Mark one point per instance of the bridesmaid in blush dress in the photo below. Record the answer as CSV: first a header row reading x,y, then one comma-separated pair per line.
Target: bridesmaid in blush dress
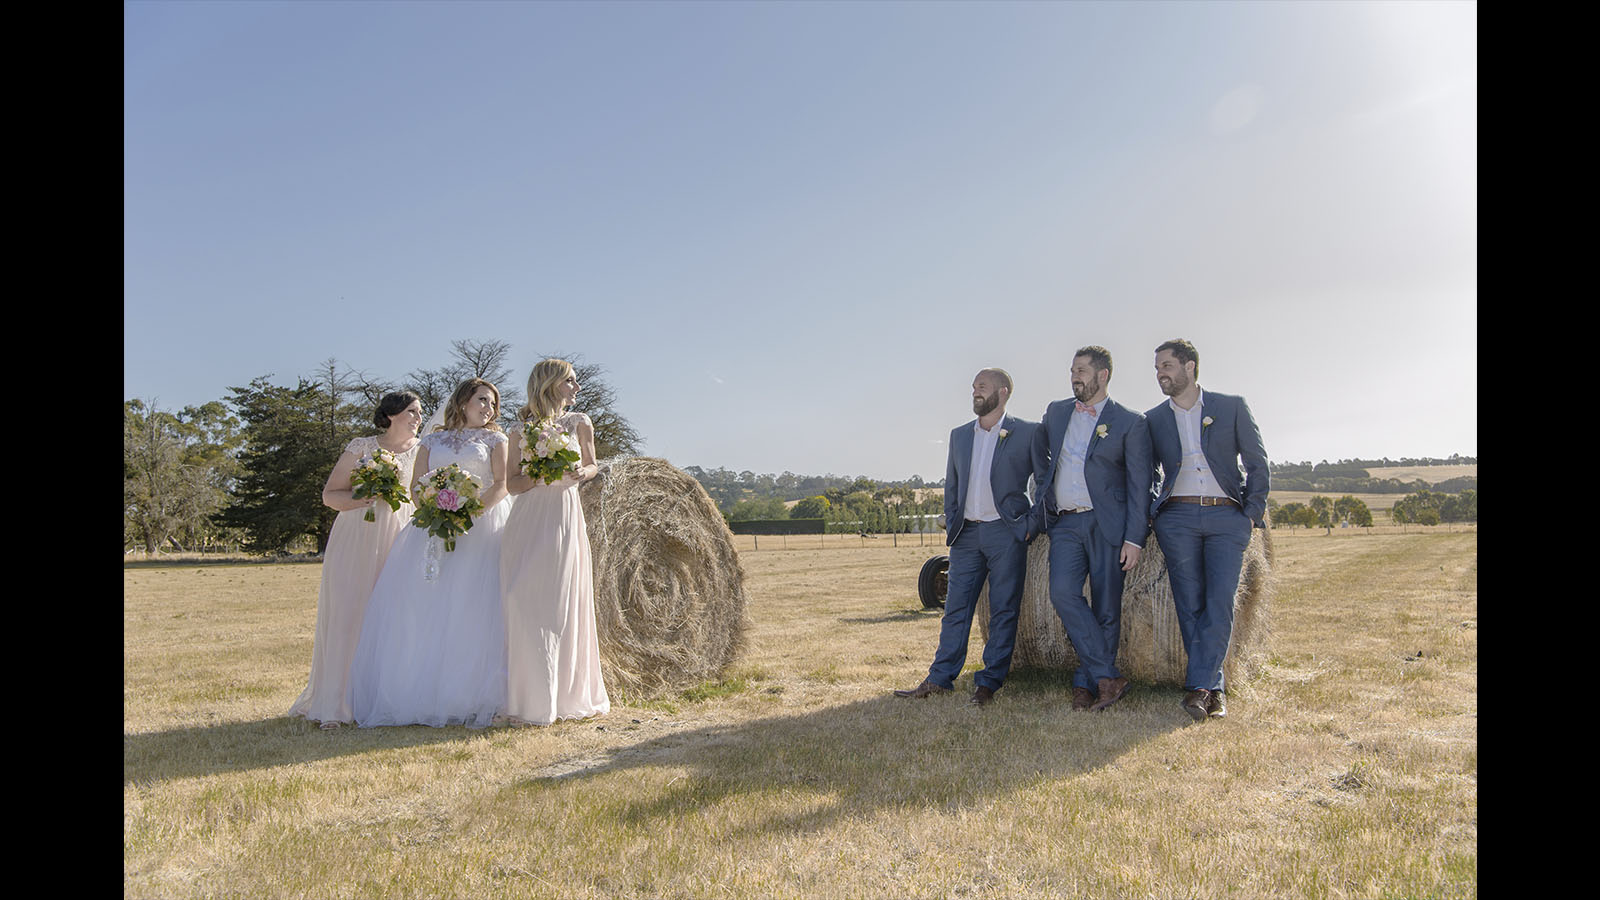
x,y
355,555
553,652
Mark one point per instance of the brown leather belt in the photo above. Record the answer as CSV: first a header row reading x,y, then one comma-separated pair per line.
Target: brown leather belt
x,y
1204,501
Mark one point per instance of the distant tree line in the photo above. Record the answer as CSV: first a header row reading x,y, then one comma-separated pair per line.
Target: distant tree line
x,y
845,503
1320,511
247,471
1350,476
1431,508
1421,508
729,489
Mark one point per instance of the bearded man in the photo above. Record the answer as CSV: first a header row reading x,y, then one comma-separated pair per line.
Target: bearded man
x,y
1094,502
1203,511
989,520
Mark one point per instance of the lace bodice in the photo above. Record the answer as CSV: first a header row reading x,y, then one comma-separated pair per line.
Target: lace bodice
x,y
468,448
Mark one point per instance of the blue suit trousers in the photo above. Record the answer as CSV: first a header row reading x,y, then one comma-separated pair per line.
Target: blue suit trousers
x,y
1077,549
1204,548
986,550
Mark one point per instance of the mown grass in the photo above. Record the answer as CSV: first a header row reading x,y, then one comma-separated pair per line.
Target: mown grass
x,y
1348,769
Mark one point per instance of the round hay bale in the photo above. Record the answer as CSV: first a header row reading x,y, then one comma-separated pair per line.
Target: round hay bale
x,y
1151,648
669,595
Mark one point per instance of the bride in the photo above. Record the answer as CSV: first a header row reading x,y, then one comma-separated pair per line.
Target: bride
x,y
433,651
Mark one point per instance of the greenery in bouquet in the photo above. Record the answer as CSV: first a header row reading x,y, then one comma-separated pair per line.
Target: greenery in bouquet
x,y
548,451
378,476
447,501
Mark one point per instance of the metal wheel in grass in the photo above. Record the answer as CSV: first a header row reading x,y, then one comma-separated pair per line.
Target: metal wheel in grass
x,y
933,582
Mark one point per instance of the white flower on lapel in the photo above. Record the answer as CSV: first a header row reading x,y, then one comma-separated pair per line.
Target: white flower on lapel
x,y
1100,431
1004,434
1206,421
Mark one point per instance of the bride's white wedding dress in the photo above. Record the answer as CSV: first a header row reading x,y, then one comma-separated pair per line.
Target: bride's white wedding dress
x,y
434,652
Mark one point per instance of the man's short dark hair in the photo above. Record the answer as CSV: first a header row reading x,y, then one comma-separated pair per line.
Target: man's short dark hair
x,y
1099,357
1184,352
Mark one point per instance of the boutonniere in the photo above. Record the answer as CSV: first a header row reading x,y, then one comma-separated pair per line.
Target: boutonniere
x,y
1100,431
1206,421
1004,434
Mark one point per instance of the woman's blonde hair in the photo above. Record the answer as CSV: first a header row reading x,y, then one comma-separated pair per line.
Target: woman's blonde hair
x,y
543,401
455,412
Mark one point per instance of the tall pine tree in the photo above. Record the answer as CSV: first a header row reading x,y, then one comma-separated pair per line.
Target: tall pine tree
x,y
292,438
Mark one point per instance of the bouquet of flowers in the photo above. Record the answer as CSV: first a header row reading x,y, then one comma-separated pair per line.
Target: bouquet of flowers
x,y
548,451
447,500
379,476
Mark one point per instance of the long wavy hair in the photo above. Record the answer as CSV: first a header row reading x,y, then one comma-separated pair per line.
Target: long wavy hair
x,y
455,412
543,401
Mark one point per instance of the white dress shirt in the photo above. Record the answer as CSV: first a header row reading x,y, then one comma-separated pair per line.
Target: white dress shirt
x,y
1071,490
980,492
1194,478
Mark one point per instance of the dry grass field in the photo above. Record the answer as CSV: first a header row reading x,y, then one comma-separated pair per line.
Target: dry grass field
x,y
1430,474
1348,770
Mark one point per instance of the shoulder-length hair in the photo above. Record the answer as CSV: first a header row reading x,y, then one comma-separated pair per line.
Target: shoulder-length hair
x,y
543,401
455,412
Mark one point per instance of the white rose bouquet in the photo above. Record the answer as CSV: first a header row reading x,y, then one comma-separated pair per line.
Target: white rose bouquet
x,y
378,476
548,451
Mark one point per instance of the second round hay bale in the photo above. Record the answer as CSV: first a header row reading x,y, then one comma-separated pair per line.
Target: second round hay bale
x,y
1151,648
669,596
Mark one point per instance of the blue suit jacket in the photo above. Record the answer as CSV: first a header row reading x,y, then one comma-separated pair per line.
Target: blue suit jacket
x,y
1231,437
1116,468
1014,461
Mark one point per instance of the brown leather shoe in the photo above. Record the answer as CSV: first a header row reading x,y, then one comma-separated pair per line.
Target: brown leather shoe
x,y
925,689
1082,698
1196,702
981,696
1111,690
1217,706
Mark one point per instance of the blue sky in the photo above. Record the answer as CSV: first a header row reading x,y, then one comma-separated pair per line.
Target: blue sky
x,y
792,232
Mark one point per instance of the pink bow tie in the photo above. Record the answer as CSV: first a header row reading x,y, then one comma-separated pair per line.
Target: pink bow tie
x,y
1085,408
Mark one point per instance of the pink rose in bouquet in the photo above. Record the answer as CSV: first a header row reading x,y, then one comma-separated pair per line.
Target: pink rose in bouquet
x,y
447,501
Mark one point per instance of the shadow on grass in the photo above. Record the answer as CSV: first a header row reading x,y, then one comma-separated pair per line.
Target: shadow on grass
x,y
788,774
784,774
904,615
221,561
280,741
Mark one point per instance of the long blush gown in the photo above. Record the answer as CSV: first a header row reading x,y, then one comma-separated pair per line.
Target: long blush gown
x,y
350,566
553,652
434,652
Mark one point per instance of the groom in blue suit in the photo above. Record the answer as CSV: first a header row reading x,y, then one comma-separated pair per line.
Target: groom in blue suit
x,y
1094,502
989,520
1203,512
